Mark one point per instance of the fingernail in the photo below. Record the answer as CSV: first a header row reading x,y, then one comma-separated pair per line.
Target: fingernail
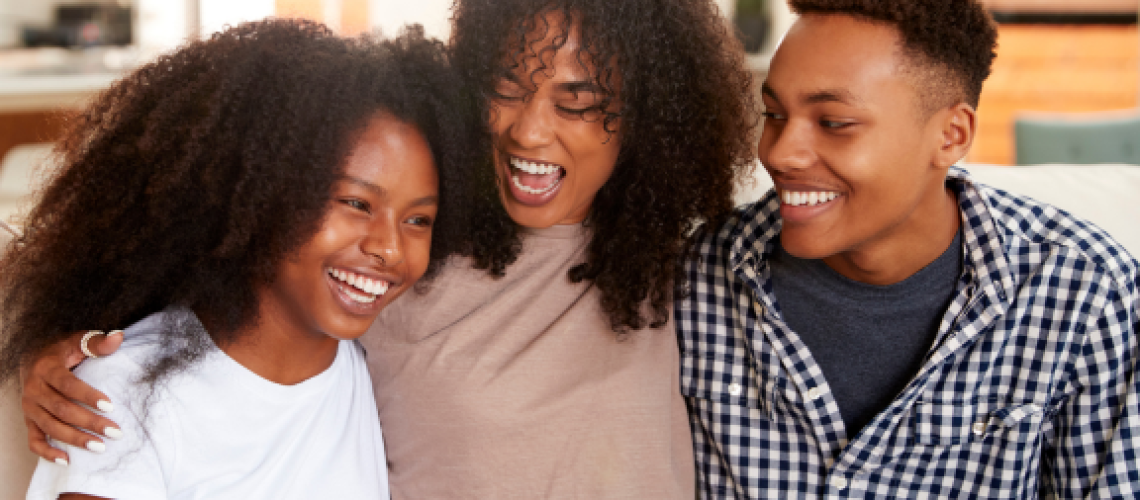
x,y
113,433
114,332
61,461
96,446
105,406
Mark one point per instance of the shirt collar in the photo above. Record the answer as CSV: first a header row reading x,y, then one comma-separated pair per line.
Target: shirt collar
x,y
984,253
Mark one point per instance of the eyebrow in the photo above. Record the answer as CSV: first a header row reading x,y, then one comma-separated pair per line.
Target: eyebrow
x,y
426,200
841,96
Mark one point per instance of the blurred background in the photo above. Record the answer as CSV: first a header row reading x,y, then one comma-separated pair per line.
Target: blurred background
x,y
1056,58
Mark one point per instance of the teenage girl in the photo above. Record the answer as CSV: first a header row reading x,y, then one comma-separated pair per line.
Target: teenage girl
x,y
249,203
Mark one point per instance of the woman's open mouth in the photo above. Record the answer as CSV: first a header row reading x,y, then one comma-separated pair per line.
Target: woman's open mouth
x,y
534,182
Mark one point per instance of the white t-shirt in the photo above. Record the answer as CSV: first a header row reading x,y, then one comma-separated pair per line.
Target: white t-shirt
x,y
219,431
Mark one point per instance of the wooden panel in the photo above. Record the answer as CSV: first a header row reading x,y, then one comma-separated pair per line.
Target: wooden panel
x,y
304,9
1080,6
32,127
353,14
1054,69
354,17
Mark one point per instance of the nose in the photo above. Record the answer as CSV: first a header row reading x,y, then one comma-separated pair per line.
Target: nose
x,y
786,146
384,242
531,125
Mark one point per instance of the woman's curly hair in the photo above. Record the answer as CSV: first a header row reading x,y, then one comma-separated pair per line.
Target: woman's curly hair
x,y
687,122
187,182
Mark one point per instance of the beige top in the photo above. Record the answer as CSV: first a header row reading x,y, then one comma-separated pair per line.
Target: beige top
x,y
518,388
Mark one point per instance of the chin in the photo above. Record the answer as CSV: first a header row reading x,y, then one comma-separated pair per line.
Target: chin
x,y
808,250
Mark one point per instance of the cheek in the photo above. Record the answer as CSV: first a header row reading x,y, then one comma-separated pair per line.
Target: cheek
x,y
418,255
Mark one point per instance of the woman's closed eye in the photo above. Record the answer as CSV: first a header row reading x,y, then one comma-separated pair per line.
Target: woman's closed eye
x,y
506,90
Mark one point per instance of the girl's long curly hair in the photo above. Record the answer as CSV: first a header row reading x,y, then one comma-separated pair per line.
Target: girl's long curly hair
x,y
687,124
189,181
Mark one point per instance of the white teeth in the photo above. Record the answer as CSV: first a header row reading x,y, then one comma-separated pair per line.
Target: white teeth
x,y
534,168
357,283
363,299
796,199
527,189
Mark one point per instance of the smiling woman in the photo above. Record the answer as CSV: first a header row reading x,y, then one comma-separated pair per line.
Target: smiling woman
x,y
544,364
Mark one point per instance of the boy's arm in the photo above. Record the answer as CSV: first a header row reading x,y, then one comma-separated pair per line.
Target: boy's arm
x,y
1097,443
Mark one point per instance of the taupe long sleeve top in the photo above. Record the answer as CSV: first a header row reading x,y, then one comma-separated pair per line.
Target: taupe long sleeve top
x,y
518,388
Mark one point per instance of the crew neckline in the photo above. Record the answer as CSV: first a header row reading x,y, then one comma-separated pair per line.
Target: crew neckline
x,y
557,231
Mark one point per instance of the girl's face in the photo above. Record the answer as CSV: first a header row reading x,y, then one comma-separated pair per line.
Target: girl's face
x,y
552,150
374,241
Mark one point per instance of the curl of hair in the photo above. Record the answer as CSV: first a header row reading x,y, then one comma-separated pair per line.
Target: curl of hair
x,y
187,182
686,118
956,37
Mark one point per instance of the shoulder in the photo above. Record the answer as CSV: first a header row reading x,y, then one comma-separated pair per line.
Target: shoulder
x,y
144,342
750,228
1036,231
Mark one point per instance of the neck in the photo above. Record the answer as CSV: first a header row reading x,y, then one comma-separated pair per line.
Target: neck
x,y
910,246
279,349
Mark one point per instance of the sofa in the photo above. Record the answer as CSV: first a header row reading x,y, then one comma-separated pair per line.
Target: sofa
x,y
1103,194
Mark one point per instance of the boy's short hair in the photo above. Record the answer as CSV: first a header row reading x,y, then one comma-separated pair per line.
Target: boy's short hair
x,y
950,42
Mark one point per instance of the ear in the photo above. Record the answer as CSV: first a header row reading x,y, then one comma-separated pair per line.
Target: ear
x,y
957,125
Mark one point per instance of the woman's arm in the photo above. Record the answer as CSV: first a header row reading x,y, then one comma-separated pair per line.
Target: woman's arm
x,y
52,396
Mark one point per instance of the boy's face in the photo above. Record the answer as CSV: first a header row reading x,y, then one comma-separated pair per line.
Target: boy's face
x,y
845,141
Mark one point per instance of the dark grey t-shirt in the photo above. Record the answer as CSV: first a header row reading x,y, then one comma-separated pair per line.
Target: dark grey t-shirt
x,y
868,340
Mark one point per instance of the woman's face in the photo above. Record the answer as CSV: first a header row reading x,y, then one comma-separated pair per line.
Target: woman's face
x,y
374,241
552,150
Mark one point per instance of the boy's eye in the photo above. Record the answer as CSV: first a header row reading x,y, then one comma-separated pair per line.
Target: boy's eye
x,y
771,115
832,124
421,220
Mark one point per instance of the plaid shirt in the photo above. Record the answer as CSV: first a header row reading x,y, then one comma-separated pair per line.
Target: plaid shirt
x,y
1030,388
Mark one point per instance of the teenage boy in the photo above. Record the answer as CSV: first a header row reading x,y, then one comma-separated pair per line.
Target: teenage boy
x,y
879,325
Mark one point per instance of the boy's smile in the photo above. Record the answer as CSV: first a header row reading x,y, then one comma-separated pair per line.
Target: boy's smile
x,y
853,156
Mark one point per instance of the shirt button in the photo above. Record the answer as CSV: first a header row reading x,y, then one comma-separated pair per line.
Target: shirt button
x,y
839,482
814,393
735,389
979,428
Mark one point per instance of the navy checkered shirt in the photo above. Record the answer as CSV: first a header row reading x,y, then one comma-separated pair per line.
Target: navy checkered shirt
x,y
1029,390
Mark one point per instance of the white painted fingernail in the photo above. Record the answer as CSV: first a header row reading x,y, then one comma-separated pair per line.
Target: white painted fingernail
x,y
61,461
96,446
113,433
114,332
105,406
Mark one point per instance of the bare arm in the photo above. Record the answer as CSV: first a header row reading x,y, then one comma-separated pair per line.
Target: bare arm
x,y
52,396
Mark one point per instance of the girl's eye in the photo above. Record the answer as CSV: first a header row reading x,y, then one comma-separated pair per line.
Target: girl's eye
x,y
773,115
831,124
357,204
